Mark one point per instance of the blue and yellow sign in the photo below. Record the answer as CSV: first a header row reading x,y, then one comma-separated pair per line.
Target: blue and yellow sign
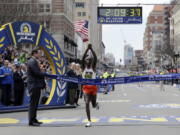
x,y
28,32
119,15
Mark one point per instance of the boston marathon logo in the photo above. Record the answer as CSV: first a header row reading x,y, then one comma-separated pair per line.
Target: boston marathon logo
x,y
25,32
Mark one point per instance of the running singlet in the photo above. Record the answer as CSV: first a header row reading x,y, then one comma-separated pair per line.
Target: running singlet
x,y
89,89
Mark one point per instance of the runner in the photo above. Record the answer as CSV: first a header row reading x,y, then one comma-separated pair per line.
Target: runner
x,y
90,91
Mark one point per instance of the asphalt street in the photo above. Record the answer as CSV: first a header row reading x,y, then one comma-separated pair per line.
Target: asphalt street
x,y
128,110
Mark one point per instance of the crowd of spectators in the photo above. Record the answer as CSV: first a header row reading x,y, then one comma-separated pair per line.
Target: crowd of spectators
x,y
13,75
74,90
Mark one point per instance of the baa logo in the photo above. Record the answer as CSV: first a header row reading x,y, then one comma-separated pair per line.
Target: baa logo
x,y
25,33
25,28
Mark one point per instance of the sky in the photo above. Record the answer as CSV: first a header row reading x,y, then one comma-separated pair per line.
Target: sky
x,y
115,35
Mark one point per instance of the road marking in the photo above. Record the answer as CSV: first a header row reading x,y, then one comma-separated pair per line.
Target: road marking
x,y
45,120
98,120
173,105
93,120
158,119
178,119
114,101
159,106
8,121
175,95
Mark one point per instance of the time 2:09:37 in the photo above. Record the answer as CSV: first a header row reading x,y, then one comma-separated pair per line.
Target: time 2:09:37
x,y
123,12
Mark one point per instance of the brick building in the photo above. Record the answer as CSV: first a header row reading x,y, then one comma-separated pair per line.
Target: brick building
x,y
140,59
55,15
156,36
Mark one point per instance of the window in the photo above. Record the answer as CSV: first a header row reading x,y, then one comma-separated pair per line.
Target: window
x,y
48,9
44,8
83,13
72,48
79,13
41,8
66,45
80,4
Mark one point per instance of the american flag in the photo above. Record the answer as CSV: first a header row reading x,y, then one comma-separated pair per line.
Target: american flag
x,y
81,26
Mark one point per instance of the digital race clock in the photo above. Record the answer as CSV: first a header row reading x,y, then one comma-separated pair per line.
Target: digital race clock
x,y
119,15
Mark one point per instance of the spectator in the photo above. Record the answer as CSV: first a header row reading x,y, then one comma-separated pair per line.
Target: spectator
x,y
6,75
16,61
1,61
71,87
24,72
18,85
79,75
7,54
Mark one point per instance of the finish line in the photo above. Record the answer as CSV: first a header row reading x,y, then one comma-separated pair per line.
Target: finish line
x,y
116,80
96,120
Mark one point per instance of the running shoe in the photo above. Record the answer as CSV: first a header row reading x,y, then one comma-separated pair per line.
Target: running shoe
x,y
88,124
97,106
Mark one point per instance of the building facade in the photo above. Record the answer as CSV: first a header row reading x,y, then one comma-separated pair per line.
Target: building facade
x,y
175,31
140,59
62,27
81,12
57,18
128,55
156,38
87,10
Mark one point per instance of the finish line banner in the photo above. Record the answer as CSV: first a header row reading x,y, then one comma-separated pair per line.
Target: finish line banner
x,y
117,80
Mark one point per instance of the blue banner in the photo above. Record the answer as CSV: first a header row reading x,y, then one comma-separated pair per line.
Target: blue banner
x,y
117,80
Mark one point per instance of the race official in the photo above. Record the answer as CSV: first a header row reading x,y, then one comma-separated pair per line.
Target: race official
x,y
35,83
